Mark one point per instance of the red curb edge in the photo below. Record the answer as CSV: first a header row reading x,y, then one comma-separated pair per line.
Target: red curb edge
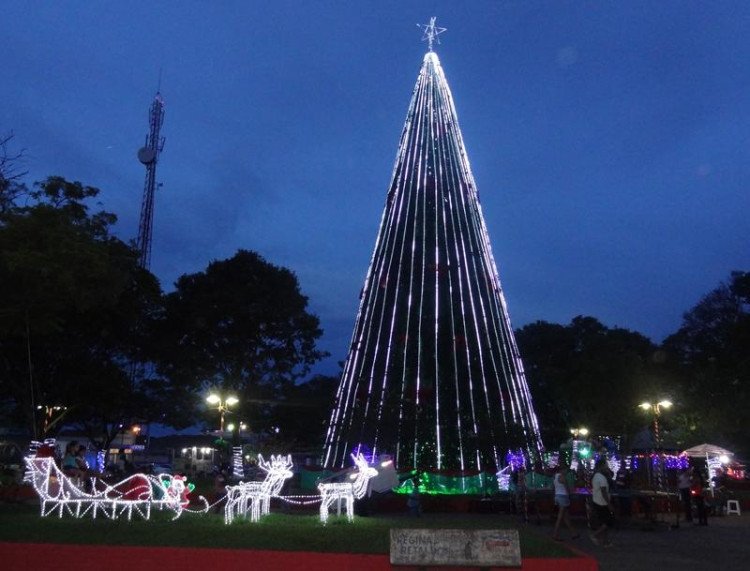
x,y
64,557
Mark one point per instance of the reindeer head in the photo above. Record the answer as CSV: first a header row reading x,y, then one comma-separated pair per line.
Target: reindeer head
x,y
362,475
278,466
277,470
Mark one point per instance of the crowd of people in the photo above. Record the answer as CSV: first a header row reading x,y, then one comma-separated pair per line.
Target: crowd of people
x,y
74,463
607,494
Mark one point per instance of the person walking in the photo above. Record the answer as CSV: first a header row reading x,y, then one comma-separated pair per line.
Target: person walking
x,y
562,501
602,504
696,490
520,501
413,502
683,485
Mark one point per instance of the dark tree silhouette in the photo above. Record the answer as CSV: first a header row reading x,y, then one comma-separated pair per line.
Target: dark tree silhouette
x,y
712,348
586,374
71,295
11,172
241,325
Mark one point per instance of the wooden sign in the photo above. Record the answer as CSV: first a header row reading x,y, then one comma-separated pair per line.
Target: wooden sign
x,y
469,547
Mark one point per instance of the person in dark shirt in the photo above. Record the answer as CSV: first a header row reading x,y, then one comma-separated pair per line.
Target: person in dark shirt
x,y
683,486
623,491
696,490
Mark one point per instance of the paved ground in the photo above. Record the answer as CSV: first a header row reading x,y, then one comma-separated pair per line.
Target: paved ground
x,y
724,544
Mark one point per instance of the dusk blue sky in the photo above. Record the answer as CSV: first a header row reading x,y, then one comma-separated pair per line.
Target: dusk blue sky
x,y
609,140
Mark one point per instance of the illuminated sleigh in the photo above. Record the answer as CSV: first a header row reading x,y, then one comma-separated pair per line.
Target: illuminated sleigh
x,y
255,497
139,493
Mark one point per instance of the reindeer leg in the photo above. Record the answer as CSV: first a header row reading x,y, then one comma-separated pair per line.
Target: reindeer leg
x,y
350,507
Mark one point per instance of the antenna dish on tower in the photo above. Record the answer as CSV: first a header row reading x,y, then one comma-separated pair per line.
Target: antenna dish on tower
x,y
146,155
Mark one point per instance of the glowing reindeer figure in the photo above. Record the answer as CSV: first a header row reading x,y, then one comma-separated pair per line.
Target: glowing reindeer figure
x,y
335,492
258,494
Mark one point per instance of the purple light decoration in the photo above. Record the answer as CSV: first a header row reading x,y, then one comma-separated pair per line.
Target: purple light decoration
x,y
515,459
101,460
671,461
366,452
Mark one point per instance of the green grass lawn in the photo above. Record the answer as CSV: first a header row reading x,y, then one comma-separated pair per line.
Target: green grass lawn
x,y
22,523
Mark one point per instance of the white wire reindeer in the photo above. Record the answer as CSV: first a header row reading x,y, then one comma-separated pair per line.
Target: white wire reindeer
x,y
255,497
335,492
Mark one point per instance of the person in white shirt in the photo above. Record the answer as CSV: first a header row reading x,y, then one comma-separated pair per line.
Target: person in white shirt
x,y
602,504
562,501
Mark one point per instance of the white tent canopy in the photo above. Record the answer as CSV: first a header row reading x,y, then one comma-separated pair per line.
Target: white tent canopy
x,y
703,450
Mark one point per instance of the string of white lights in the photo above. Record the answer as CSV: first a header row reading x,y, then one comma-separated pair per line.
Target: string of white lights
x,y
346,491
136,494
301,500
255,497
433,365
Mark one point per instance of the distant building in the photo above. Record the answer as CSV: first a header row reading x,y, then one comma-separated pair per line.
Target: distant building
x,y
193,455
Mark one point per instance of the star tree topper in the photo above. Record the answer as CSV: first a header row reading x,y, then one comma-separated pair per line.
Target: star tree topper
x,y
431,32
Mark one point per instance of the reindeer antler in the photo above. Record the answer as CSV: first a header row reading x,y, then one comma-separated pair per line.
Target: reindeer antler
x,y
359,460
263,465
281,463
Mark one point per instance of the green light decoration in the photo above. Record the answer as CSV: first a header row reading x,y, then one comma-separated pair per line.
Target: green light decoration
x,y
439,484
482,483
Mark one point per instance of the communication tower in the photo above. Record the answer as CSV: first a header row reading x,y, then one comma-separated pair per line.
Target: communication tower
x,y
149,157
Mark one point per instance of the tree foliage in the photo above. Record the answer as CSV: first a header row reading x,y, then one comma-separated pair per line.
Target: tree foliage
x,y
240,326
11,173
586,374
72,299
77,315
712,350
303,411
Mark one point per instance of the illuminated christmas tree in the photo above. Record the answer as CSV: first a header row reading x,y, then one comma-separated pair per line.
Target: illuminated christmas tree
x,y
433,375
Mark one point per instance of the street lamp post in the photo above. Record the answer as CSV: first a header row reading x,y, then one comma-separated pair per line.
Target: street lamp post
x,y
579,452
49,413
240,427
222,405
576,432
656,409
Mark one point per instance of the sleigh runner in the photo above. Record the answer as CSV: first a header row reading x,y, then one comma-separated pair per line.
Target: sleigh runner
x,y
136,494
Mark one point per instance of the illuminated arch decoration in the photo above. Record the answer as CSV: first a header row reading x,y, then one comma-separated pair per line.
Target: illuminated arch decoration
x,y
135,495
346,491
433,374
255,497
